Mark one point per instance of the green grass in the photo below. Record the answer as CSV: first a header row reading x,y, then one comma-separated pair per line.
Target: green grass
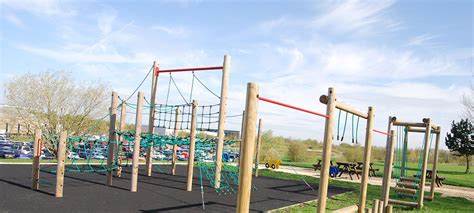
x,y
440,204
453,173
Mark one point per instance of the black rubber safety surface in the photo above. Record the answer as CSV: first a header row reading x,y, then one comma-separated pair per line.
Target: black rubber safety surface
x,y
87,192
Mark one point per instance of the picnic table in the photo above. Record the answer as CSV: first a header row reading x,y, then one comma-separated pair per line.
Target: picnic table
x,y
439,179
371,168
317,166
349,168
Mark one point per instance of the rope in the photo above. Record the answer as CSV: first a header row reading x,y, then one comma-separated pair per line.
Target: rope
x,y
181,94
168,93
192,88
338,123
344,130
205,86
151,68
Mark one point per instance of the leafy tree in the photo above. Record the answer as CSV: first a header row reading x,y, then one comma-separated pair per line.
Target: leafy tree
x,y
460,140
53,101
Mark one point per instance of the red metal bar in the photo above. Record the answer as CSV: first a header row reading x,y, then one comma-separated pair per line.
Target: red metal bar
x,y
378,131
190,69
292,107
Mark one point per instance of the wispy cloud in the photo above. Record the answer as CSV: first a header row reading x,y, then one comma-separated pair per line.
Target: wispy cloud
x,y
422,40
14,20
360,17
106,20
173,31
42,7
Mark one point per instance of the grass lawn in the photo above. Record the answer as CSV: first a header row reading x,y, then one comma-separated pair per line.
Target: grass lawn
x,y
440,204
453,173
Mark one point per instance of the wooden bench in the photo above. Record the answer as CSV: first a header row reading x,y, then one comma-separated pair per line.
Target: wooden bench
x,y
317,166
371,168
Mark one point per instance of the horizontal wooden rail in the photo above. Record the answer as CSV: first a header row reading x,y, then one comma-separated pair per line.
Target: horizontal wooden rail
x,y
188,69
344,107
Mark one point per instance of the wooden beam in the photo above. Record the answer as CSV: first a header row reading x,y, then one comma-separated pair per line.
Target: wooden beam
x,y
192,147
326,155
403,203
435,163
61,155
151,118
367,153
221,124
37,145
245,171
259,141
375,206
344,107
397,122
425,163
136,142
420,130
112,137
175,146
123,115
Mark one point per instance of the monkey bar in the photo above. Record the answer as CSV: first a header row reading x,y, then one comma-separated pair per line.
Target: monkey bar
x,y
158,70
291,107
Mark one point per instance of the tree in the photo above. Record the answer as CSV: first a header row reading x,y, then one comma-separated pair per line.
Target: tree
x,y
460,140
468,103
53,101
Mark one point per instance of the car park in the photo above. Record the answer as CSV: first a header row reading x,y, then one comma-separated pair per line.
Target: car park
x,y
7,152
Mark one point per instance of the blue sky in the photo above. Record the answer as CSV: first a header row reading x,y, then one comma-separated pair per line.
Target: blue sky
x,y
411,59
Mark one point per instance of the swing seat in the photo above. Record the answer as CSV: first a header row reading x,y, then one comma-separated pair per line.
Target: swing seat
x,y
333,171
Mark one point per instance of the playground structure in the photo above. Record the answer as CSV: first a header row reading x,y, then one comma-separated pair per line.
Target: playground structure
x,y
175,117
226,179
330,100
413,187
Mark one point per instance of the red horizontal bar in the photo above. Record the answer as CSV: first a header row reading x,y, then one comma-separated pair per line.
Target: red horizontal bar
x,y
190,69
292,107
378,131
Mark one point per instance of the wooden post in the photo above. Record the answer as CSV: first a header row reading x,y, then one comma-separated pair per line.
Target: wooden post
x,y
36,160
221,125
123,114
18,130
242,126
435,164
387,175
368,210
112,137
61,155
6,128
192,147
241,137
175,147
367,153
404,154
375,206
259,141
151,117
326,155
425,163
389,209
136,141
245,171
381,206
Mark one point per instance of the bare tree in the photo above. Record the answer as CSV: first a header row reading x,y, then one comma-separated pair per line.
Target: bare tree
x,y
467,101
54,101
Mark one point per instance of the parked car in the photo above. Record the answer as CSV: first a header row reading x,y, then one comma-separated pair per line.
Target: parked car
x,y
159,156
46,155
74,155
23,151
7,152
183,156
97,156
4,140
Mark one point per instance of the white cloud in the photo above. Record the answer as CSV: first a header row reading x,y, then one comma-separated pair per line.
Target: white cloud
x,y
42,7
105,21
355,16
173,31
14,20
422,40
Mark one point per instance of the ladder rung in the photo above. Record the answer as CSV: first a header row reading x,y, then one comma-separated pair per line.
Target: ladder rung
x,y
408,185
405,190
